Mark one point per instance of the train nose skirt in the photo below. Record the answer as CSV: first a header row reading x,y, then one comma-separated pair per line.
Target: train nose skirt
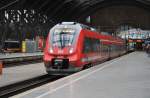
x,y
60,63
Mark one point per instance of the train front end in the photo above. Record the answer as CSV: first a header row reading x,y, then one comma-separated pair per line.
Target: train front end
x,y
61,52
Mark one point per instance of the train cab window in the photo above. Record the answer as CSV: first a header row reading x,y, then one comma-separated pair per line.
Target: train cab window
x,y
63,37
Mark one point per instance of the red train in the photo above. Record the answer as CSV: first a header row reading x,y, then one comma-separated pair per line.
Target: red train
x,y
71,47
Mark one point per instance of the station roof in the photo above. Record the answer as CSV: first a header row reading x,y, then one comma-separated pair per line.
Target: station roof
x,y
59,10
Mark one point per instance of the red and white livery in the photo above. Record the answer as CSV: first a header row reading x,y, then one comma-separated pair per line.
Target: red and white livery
x,y
71,46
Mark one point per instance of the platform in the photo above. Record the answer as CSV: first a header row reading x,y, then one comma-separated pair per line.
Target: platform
x,y
15,74
19,57
124,77
15,55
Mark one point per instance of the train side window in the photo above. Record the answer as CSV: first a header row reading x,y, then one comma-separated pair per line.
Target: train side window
x,y
91,45
96,45
86,45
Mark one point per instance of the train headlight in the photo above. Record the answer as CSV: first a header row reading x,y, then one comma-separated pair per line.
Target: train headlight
x,y
51,50
71,50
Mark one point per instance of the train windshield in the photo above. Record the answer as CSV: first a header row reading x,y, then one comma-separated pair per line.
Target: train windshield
x,y
63,37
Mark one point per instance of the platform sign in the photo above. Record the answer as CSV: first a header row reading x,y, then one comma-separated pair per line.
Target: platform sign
x,y
130,40
139,41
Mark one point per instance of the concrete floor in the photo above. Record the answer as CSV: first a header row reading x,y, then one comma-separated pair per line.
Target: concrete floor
x,y
19,73
124,77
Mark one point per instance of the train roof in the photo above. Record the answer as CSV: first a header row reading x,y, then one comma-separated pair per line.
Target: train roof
x,y
81,25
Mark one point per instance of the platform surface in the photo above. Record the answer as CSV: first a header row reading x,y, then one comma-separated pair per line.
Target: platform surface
x,y
15,74
124,77
16,55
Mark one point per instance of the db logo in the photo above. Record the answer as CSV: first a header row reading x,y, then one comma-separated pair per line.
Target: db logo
x,y
60,51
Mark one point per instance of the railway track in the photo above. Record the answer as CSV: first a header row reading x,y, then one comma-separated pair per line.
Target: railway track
x,y
19,87
11,62
19,63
